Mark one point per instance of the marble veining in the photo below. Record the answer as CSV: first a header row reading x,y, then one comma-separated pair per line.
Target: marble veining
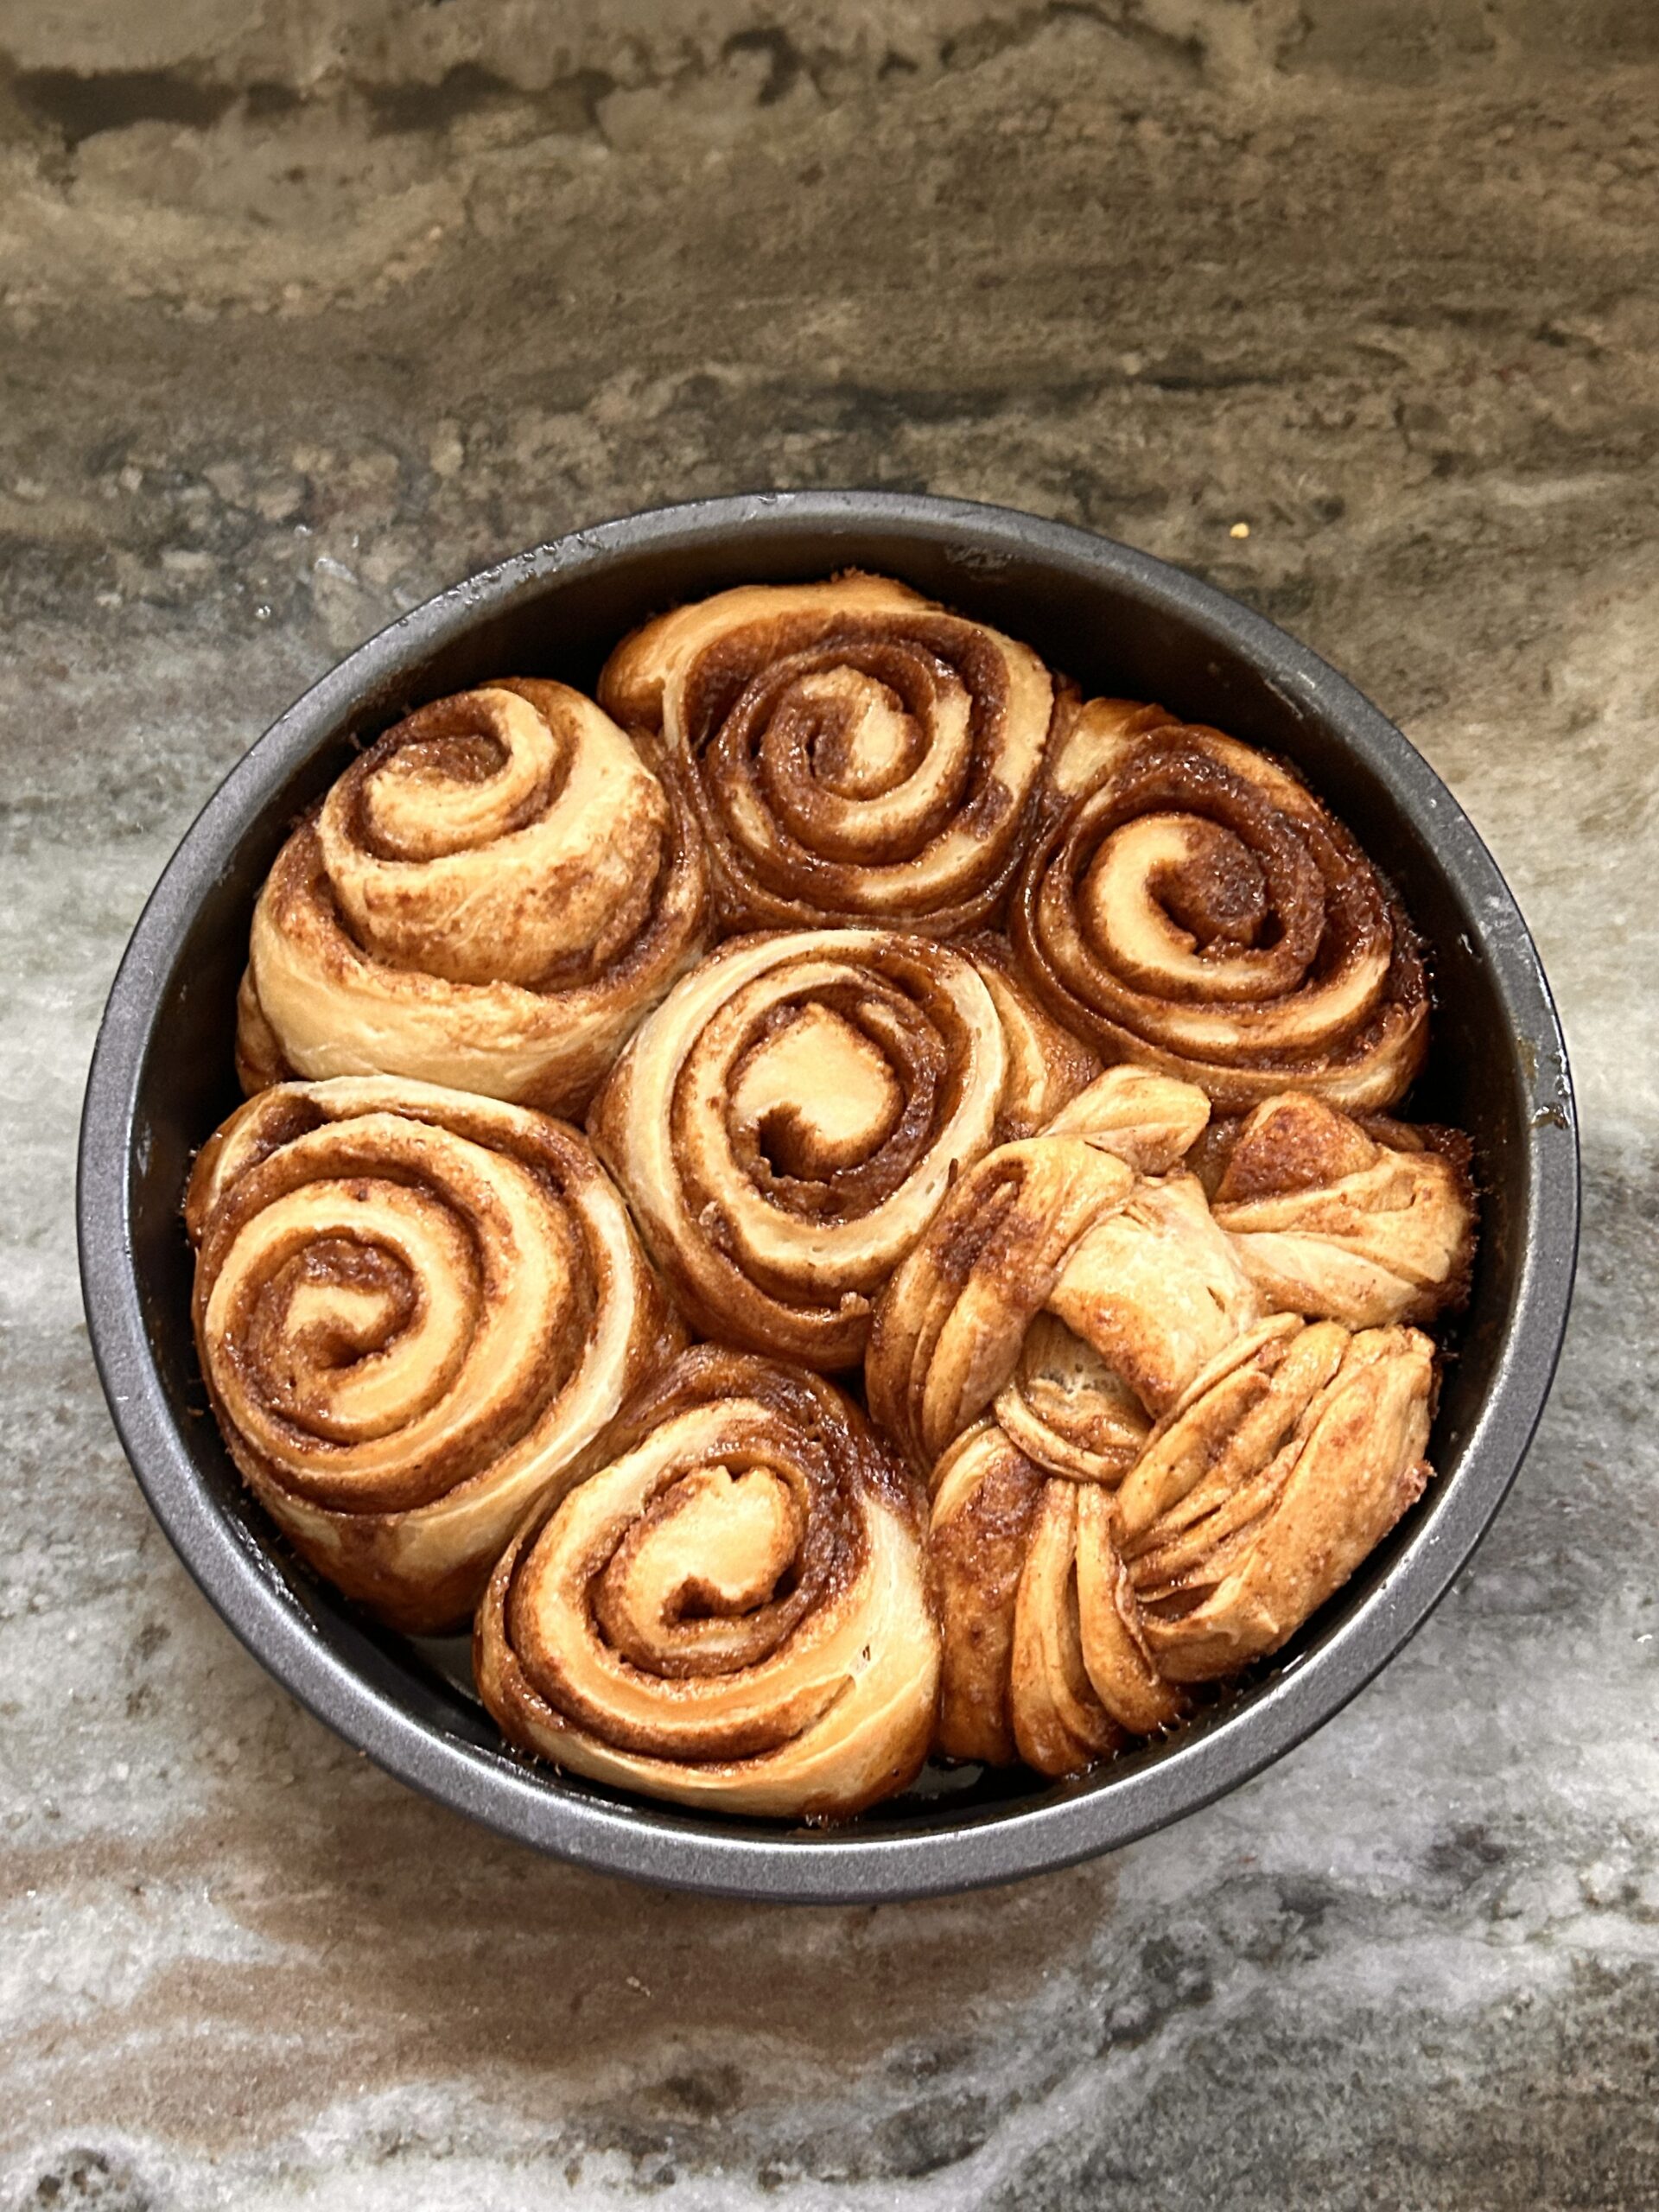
x,y
306,313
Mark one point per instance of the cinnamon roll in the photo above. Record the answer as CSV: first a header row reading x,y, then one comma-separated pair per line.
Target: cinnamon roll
x,y
1044,1657
490,898
1189,905
731,1612
786,1123
1073,1617
1366,1225
1059,1287
1286,1463
856,753
417,1312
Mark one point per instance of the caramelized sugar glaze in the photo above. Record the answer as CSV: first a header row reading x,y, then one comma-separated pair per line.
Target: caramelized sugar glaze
x,y
1024,1063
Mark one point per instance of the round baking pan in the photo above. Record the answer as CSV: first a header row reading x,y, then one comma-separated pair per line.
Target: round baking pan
x,y
1117,621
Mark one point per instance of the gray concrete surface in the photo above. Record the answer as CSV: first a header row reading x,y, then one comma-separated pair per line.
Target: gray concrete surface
x,y
305,311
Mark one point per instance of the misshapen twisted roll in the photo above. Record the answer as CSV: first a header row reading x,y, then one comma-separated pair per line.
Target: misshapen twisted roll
x,y
1073,1617
1362,1225
418,1312
1034,1604
856,753
732,1612
787,1121
1283,1466
490,898
1190,905
1056,1285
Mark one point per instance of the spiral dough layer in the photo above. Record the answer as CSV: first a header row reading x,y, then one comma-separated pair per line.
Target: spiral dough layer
x,y
491,898
1190,905
855,753
731,1612
417,1313
787,1121
1047,1066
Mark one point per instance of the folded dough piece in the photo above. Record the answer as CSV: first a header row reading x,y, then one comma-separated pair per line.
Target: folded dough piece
x,y
1033,1603
1075,1296
1286,1463
1366,1225
1150,1120
1073,1617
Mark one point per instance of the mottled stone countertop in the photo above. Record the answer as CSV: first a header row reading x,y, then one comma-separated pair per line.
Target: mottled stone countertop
x,y
307,311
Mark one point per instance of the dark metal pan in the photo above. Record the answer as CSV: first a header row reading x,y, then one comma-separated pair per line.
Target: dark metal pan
x,y
1115,620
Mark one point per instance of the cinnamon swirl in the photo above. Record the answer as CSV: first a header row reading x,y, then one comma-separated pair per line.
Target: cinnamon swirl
x,y
856,753
1189,905
787,1121
731,1612
417,1312
490,898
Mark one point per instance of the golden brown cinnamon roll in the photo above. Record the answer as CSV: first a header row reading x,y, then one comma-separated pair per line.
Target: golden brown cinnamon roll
x,y
1189,905
417,1312
1075,1297
732,1611
1286,1463
855,752
1044,1659
1072,1616
1362,1225
491,898
787,1121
